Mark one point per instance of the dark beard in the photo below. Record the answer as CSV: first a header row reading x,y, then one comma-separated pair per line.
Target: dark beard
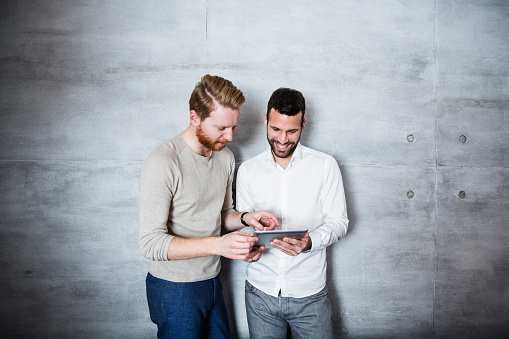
x,y
280,154
207,142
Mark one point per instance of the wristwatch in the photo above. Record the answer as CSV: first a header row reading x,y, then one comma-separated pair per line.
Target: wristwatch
x,y
242,219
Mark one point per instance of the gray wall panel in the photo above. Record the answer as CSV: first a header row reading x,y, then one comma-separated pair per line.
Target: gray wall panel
x,y
69,254
350,76
472,97
383,269
472,265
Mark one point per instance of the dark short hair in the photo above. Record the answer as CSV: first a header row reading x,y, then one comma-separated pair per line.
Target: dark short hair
x,y
211,89
287,101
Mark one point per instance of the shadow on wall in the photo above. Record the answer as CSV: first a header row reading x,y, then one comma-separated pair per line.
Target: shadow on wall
x,y
333,294
308,136
228,286
250,129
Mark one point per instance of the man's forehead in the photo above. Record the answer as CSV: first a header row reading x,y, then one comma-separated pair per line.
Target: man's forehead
x,y
223,116
284,118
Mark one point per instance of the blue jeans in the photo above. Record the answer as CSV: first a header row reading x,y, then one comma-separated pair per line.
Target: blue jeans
x,y
187,310
269,317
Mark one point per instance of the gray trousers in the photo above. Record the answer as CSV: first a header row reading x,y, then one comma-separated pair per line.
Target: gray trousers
x,y
269,317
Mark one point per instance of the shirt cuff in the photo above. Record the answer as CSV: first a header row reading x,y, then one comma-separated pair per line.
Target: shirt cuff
x,y
315,240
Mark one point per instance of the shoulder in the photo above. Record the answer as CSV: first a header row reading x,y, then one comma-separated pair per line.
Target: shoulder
x,y
165,155
254,162
309,152
325,159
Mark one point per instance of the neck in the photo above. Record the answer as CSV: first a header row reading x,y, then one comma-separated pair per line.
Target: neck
x,y
283,162
189,136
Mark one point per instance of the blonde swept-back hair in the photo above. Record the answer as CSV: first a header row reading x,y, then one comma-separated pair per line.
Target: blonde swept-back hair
x,y
212,89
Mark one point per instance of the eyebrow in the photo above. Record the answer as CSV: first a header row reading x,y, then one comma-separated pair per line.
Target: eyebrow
x,y
290,130
222,126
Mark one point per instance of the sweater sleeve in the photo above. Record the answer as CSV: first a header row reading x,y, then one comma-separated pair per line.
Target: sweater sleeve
x,y
156,184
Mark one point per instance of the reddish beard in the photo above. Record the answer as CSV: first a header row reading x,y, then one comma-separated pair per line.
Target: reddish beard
x,y
207,142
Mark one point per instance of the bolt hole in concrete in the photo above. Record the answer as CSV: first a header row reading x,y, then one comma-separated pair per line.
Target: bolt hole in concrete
x,y
410,138
462,195
410,194
463,139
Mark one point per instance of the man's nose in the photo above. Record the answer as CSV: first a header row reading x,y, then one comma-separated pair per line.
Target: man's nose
x,y
228,134
283,138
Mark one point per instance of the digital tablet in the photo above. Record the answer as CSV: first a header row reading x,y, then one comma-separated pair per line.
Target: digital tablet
x,y
265,237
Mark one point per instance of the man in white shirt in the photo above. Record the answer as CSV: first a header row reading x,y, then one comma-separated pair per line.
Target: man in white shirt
x,y
303,188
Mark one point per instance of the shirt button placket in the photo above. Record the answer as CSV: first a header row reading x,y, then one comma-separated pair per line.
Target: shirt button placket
x,y
284,226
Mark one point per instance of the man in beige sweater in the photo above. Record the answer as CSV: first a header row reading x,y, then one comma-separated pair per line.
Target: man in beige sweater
x,y
185,199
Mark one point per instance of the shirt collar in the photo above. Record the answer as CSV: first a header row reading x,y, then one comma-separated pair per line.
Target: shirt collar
x,y
297,154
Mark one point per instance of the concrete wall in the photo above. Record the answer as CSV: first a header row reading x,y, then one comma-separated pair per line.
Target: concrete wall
x,y
89,88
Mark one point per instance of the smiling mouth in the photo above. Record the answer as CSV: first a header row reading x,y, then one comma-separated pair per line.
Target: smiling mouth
x,y
281,147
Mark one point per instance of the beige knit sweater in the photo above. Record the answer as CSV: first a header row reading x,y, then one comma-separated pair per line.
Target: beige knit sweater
x,y
186,195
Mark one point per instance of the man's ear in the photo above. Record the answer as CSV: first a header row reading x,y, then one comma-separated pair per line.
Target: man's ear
x,y
303,123
265,120
194,118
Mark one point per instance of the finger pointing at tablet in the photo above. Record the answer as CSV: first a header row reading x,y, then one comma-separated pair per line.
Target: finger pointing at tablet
x,y
260,220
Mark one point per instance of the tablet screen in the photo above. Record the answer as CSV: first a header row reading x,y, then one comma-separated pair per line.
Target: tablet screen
x,y
265,237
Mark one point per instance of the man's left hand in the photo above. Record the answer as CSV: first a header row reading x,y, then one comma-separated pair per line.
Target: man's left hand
x,y
261,219
291,246
255,254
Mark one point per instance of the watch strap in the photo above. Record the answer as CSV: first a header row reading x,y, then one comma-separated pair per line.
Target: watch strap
x,y
242,219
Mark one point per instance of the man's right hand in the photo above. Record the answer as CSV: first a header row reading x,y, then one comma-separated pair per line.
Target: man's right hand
x,y
235,245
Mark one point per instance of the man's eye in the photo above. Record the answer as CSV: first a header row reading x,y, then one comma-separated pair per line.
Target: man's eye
x,y
221,128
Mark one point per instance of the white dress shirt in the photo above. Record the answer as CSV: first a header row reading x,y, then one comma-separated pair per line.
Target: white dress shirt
x,y
308,194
